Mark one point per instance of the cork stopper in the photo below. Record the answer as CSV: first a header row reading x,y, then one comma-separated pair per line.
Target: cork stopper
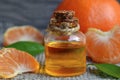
x,y
63,15
63,23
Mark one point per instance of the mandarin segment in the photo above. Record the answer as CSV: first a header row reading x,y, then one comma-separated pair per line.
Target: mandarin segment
x,y
104,47
15,62
22,33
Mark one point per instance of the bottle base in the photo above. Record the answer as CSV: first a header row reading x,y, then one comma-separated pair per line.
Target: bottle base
x,y
65,74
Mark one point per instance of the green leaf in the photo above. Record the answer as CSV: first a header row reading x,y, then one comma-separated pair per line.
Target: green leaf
x,y
32,48
110,69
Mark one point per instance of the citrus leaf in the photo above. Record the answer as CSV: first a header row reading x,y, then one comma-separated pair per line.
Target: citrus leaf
x,y
32,48
110,69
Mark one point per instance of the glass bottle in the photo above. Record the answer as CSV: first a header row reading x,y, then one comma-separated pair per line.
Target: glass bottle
x,y
64,50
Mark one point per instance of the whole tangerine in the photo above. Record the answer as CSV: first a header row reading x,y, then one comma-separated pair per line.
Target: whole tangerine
x,y
100,14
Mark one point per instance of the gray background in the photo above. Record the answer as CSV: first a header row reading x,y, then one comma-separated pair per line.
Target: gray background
x,y
27,12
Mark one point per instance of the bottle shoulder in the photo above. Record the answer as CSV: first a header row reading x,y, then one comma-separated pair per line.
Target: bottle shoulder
x,y
77,36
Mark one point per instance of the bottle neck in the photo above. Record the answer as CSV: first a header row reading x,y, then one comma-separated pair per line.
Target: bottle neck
x,y
63,31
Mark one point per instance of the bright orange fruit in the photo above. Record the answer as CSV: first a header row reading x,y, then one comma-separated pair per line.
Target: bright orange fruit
x,y
100,14
104,47
13,62
22,33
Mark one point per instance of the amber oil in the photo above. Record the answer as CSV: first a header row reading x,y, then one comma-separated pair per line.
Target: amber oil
x,y
65,58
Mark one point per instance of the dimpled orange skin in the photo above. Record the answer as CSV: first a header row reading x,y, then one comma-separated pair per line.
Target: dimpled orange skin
x,y
101,14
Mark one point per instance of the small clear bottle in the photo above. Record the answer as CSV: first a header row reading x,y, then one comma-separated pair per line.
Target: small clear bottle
x,y
65,52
